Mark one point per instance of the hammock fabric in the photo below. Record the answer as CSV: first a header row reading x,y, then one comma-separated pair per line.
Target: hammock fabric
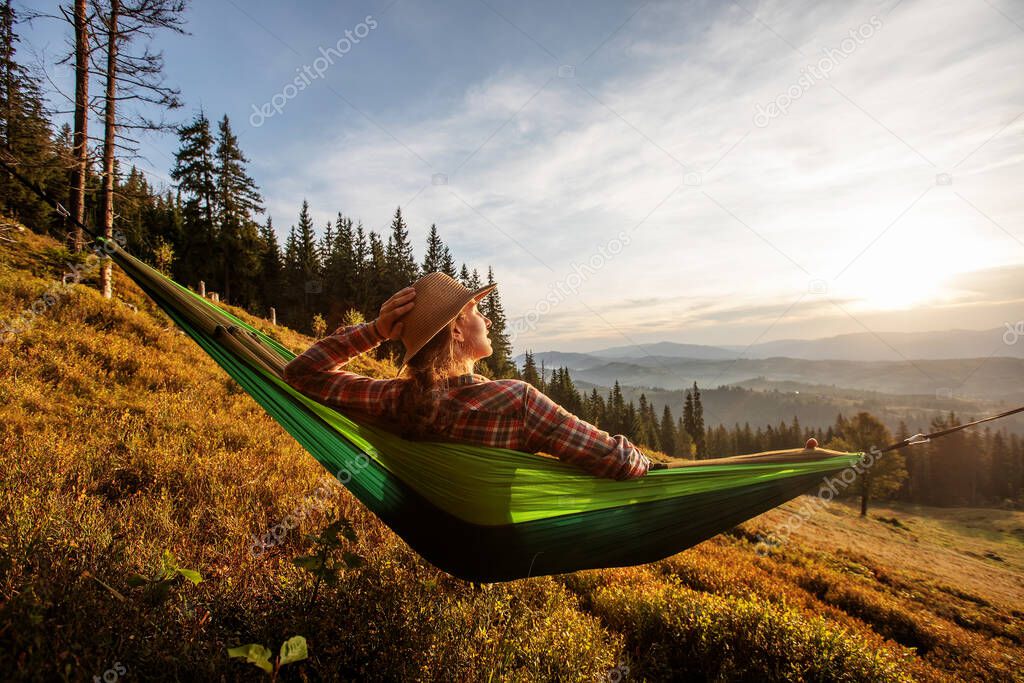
x,y
491,514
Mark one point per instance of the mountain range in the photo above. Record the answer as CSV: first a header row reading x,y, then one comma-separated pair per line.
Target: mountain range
x,y
863,346
950,364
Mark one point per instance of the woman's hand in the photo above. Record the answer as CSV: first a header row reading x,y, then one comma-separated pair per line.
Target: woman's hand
x,y
388,324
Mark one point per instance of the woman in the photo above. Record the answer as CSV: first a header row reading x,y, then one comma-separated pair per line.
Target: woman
x,y
437,393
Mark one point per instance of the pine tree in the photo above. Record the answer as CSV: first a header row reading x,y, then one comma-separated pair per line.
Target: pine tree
x,y
698,423
292,295
341,268
324,249
433,261
193,173
24,132
688,423
365,279
271,266
667,432
684,444
379,291
167,228
238,202
595,409
500,361
643,429
617,423
629,422
475,282
307,255
1002,469
651,425
448,264
400,264
530,375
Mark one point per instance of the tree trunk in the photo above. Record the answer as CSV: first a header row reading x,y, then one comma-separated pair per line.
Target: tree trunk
x,y
109,131
80,148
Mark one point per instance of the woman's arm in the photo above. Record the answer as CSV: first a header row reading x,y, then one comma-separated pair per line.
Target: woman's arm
x,y
550,428
316,371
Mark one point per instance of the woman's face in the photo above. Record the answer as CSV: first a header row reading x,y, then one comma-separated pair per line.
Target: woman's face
x,y
471,330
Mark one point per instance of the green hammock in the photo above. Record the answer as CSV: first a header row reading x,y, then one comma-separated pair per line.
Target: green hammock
x,y
491,514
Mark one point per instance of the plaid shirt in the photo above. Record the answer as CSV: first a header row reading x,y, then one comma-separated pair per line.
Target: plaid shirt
x,y
506,413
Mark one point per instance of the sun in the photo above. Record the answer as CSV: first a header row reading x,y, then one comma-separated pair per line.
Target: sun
x,y
900,288
897,284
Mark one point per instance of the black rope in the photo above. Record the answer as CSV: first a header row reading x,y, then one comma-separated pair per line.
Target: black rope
x,y
925,438
914,440
57,206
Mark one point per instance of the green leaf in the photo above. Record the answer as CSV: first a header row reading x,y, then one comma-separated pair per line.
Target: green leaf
x,y
136,580
293,650
168,561
311,562
191,575
352,560
255,654
329,536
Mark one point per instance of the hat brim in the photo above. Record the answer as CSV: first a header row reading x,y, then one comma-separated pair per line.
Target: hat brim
x,y
482,292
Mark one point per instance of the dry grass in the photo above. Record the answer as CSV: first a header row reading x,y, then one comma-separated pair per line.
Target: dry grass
x,y
122,439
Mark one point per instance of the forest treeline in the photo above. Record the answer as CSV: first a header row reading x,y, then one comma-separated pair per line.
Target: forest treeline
x,y
210,228
972,467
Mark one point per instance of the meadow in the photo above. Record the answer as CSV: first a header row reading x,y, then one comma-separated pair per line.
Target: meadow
x,y
136,476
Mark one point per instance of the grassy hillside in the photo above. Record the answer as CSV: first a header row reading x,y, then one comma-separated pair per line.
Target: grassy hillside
x,y
122,440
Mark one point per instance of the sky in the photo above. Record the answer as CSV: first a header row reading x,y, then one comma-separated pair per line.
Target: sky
x,y
635,172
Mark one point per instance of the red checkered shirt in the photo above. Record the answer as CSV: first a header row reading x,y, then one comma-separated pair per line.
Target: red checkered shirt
x,y
506,413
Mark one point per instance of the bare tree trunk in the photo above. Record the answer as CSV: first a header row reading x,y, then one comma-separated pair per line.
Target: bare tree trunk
x,y
109,131
80,148
864,494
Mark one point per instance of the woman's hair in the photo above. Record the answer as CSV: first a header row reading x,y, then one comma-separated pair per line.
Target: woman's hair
x,y
426,377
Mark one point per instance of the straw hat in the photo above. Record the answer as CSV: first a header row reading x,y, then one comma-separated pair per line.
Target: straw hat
x,y
439,298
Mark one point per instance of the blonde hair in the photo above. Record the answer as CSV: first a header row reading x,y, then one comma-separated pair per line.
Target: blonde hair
x,y
426,379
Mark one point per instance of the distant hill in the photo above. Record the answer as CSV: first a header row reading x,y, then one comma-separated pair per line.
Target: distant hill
x,y
895,346
990,378
762,404
667,350
886,346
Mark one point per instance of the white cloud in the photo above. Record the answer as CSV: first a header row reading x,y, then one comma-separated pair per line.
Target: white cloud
x,y
568,165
